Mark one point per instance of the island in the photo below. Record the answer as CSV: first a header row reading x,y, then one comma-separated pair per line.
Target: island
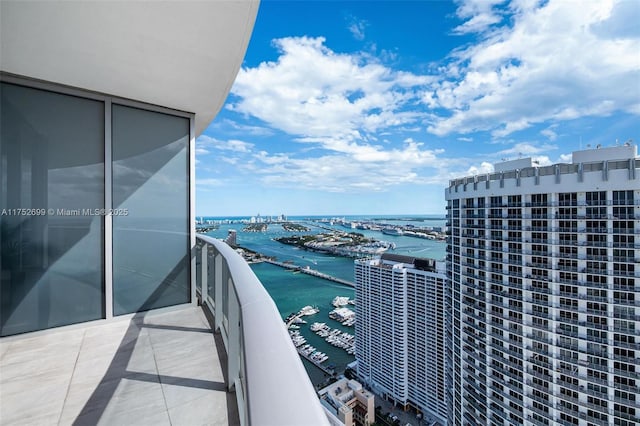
x,y
349,244
255,227
294,227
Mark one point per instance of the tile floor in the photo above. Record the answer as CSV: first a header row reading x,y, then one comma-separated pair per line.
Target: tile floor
x,y
155,369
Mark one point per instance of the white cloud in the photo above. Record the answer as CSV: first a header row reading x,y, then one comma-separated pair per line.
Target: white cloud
x,y
314,92
209,182
356,27
550,133
370,168
230,160
479,15
342,104
483,168
525,149
542,160
555,60
239,146
534,62
244,129
566,158
205,143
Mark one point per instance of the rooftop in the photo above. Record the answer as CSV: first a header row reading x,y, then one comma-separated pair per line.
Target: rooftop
x,y
155,368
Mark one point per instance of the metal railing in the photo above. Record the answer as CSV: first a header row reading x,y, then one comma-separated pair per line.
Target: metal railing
x,y
263,367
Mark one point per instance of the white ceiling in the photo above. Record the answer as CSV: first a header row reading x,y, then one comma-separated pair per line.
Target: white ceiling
x,y
177,54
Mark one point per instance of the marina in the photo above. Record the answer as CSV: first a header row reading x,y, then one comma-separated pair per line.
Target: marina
x,y
325,369
310,353
335,337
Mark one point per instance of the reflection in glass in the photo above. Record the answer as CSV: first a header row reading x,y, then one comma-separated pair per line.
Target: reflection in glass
x,y
51,258
150,181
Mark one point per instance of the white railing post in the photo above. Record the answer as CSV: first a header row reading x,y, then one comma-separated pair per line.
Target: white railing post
x,y
217,284
204,272
233,350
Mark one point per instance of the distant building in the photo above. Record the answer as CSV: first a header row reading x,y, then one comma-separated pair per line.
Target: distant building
x,y
232,238
400,330
349,402
545,279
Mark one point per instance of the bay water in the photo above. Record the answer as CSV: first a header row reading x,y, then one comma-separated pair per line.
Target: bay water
x,y
293,290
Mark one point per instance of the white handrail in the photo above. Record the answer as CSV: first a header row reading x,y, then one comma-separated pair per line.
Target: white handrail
x,y
272,386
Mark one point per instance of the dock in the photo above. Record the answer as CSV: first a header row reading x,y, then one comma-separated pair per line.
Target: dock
x,y
292,320
309,271
331,372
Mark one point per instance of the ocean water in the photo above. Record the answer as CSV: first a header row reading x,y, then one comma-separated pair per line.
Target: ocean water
x,y
291,291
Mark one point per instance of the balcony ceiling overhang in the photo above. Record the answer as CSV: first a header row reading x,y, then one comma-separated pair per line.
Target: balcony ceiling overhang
x,y
177,54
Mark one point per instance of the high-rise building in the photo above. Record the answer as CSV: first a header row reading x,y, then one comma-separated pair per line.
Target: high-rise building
x,y
545,292
232,238
400,333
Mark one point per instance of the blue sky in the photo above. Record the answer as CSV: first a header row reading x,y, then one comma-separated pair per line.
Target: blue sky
x,y
370,107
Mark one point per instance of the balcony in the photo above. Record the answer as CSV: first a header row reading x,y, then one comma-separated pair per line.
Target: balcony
x,y
166,366
170,362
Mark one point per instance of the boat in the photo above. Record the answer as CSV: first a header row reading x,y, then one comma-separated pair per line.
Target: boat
x,y
318,357
316,326
349,322
339,301
297,339
309,310
393,231
342,314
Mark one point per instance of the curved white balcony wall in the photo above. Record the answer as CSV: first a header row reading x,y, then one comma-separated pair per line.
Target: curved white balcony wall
x,y
178,54
271,384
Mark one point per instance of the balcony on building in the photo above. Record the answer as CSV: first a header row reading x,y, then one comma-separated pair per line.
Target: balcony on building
x,y
112,309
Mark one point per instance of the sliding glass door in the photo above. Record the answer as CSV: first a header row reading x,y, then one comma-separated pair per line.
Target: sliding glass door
x,y
94,207
151,196
51,177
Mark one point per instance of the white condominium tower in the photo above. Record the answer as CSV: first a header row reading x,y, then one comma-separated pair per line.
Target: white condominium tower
x,y
545,292
400,333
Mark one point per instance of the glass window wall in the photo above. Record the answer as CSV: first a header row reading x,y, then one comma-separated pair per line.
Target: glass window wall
x,y
51,183
151,184
52,206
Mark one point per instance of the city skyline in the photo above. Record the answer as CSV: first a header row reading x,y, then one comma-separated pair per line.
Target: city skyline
x,y
337,111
